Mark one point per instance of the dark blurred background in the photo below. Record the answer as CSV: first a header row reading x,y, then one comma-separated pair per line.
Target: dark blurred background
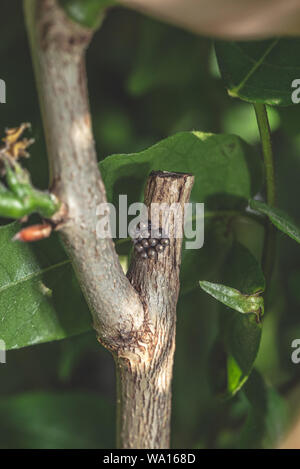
x,y
147,80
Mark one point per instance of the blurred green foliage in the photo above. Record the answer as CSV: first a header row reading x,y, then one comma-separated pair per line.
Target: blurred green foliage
x,y
148,80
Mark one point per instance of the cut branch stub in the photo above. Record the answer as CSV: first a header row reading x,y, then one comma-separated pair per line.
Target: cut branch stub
x,y
160,277
145,373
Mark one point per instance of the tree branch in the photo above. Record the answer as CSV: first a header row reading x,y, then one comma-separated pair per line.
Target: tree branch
x,y
58,48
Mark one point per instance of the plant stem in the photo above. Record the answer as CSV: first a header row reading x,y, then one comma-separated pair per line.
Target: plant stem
x,y
270,235
266,142
58,50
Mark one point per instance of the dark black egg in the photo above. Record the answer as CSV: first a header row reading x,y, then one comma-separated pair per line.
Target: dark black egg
x,y
165,241
153,242
152,254
159,248
145,243
139,248
149,241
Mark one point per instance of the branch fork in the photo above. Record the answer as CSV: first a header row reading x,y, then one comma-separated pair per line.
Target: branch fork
x,y
134,316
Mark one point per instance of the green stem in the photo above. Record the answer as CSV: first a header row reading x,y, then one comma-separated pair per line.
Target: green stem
x,y
20,198
266,142
12,206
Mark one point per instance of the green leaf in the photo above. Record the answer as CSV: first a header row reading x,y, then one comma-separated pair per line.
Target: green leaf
x,y
242,336
225,169
267,415
233,298
88,13
246,274
260,71
278,218
240,333
34,278
56,421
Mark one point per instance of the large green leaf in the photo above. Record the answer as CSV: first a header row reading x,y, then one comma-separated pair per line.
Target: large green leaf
x,y
278,218
56,421
225,168
239,333
260,71
34,279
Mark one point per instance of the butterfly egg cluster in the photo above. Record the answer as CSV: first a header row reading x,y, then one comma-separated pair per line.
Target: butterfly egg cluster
x,y
148,243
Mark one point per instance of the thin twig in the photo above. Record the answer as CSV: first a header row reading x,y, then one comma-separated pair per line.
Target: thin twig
x,y
270,234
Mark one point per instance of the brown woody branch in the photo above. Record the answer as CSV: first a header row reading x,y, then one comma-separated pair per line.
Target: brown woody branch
x,y
58,47
145,378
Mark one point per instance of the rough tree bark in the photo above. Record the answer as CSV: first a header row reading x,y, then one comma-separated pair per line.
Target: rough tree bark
x,y
134,317
145,377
